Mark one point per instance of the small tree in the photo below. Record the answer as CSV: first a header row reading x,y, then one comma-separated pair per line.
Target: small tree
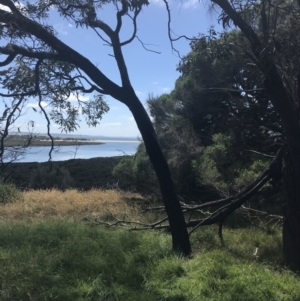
x,y
47,68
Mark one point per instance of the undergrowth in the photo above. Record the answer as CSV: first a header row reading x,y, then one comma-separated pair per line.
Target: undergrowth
x,y
63,259
49,252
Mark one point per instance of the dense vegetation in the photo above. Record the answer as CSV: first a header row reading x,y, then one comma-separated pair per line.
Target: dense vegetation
x,y
217,128
75,173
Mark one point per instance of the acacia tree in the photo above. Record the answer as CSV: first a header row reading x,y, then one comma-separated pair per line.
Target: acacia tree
x,y
38,64
271,29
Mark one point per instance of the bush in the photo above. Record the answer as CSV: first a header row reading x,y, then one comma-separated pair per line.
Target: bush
x,y
46,178
136,173
8,192
222,169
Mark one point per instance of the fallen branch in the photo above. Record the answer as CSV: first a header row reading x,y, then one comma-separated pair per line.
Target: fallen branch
x,y
230,205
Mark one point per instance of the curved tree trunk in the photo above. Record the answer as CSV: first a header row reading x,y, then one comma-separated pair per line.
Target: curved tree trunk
x,y
178,228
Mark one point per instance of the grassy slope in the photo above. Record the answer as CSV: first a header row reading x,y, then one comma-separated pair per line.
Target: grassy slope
x,y
48,253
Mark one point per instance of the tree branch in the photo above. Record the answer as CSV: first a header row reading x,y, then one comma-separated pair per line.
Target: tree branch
x,y
14,50
7,125
11,6
136,13
65,52
37,87
120,14
8,60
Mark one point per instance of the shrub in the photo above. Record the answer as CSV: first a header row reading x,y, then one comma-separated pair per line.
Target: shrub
x,y
46,178
8,192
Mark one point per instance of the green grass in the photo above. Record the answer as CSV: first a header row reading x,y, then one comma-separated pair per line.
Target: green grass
x,y
66,260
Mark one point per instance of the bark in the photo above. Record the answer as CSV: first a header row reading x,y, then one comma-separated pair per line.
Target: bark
x,y
178,228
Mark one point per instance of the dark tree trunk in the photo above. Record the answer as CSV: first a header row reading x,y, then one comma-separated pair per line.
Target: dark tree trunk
x,y
178,228
285,106
291,208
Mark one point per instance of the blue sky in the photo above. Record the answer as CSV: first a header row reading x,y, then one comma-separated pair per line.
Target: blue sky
x,y
150,73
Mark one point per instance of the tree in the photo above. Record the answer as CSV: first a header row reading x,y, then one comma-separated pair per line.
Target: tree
x,y
219,91
10,116
274,49
47,68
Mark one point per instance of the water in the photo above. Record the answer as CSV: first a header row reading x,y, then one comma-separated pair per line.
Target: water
x,y
111,148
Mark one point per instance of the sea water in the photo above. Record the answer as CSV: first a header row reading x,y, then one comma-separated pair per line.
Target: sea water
x,y
109,148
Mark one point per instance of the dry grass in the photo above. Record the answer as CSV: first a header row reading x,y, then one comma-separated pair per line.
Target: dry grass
x,y
40,204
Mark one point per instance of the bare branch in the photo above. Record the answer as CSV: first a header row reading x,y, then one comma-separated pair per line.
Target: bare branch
x,y
169,28
143,44
259,153
37,87
32,92
120,14
136,13
100,36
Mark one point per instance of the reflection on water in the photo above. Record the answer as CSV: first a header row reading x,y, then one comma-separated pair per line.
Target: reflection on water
x,y
109,149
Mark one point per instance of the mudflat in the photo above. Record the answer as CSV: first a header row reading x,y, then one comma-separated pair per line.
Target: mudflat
x,y
24,140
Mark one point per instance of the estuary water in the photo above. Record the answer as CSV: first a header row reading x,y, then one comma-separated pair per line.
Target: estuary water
x,y
109,148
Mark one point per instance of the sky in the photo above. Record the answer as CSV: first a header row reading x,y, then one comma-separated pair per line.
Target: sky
x,y
150,73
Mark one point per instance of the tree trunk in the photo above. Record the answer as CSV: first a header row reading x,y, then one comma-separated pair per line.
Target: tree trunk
x,y
178,228
291,208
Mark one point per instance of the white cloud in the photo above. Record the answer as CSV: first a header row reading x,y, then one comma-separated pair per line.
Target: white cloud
x,y
158,2
73,97
165,89
70,25
155,83
36,105
190,4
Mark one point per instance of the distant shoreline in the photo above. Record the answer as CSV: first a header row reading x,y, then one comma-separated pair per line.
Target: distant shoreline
x,y
41,141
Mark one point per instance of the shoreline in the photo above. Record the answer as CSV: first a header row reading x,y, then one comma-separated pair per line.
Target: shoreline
x,y
58,142
43,143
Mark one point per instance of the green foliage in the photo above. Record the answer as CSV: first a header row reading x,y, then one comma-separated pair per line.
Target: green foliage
x,y
8,192
67,260
45,177
136,172
248,175
213,167
86,173
218,168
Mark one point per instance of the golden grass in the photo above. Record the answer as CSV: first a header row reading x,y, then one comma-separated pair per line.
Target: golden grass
x,y
39,204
